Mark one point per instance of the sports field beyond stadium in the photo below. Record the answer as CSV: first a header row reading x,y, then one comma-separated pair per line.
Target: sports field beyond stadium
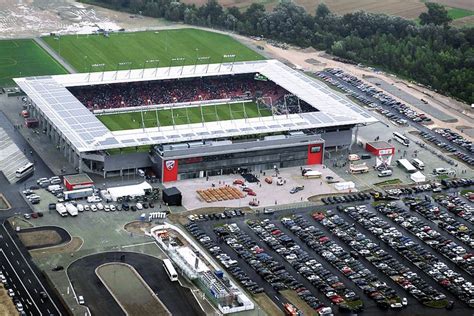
x,y
186,115
23,58
130,50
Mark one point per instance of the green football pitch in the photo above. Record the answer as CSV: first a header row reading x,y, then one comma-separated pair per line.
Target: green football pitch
x,y
189,115
82,51
23,58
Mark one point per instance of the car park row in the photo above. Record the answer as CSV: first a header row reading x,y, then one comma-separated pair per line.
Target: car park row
x,y
12,294
466,157
442,219
444,246
457,206
383,261
307,266
346,263
412,251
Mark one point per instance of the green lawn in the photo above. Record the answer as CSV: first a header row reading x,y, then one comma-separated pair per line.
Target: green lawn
x,y
457,13
190,115
84,50
23,58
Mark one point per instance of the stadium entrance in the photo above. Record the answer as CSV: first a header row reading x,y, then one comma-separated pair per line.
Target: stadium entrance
x,y
204,159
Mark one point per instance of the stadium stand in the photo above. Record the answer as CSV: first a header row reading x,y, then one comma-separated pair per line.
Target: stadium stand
x,y
134,94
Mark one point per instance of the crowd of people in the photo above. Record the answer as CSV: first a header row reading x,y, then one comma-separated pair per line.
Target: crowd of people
x,y
133,94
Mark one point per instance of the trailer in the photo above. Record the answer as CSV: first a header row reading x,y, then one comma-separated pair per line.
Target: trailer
x,y
78,194
405,164
61,209
359,168
313,174
71,209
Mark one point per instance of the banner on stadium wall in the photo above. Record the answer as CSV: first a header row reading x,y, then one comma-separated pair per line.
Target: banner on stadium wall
x,y
170,170
315,154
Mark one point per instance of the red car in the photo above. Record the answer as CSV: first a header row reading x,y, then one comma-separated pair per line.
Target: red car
x,y
318,216
252,193
239,181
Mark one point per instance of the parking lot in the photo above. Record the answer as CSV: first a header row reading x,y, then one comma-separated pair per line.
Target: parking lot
x,y
266,194
391,256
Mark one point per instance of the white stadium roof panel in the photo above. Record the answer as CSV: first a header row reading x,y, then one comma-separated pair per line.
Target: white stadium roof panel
x,y
86,133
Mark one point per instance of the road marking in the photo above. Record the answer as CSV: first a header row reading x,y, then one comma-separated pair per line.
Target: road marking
x,y
136,245
14,285
277,297
12,253
18,262
36,291
23,271
30,281
6,244
28,264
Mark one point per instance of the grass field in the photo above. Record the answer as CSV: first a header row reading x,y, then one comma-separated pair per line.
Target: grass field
x,y
83,50
23,58
456,13
190,115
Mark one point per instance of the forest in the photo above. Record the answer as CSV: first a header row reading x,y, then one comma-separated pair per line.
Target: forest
x,y
432,52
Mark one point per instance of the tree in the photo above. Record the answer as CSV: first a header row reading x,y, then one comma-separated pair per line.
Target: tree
x,y
322,11
437,15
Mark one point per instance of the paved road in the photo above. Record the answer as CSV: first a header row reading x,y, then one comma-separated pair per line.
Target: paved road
x,y
81,272
24,277
56,56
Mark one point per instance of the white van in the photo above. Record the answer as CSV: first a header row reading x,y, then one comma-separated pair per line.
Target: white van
x,y
385,173
93,199
141,173
418,164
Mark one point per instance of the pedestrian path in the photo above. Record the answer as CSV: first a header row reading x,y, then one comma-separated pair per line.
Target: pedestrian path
x,y
11,157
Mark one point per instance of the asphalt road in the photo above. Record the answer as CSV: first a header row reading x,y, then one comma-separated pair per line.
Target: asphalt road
x,y
178,300
414,308
419,127
24,278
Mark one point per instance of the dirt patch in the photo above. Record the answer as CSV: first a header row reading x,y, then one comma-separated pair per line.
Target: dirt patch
x,y
39,238
291,296
4,205
138,227
70,247
268,305
7,308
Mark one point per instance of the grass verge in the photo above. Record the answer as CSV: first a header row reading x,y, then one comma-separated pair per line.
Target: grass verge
x,y
389,182
268,305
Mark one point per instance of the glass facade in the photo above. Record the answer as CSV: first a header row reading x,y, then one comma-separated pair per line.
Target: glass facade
x,y
250,161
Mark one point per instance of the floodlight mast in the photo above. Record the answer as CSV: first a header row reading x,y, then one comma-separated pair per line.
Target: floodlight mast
x,y
177,59
96,66
271,105
124,63
227,56
199,59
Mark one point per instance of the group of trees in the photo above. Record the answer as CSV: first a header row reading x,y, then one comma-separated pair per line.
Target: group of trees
x,y
432,53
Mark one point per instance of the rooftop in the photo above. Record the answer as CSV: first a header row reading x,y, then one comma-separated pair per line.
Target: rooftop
x,y
87,133
78,178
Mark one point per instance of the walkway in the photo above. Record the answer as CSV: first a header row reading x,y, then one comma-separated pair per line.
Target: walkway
x,y
11,157
55,55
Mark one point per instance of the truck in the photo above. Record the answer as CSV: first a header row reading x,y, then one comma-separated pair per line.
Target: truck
x,y
61,209
71,209
313,174
359,168
78,194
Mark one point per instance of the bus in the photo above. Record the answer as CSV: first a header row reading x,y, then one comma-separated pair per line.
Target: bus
x,y
26,170
405,164
172,274
401,139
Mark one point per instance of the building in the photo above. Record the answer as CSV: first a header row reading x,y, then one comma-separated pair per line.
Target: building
x,y
77,181
201,149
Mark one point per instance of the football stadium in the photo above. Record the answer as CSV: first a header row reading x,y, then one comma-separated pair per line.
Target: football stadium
x,y
188,121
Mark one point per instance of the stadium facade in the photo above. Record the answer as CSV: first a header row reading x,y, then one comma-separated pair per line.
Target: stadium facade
x,y
176,152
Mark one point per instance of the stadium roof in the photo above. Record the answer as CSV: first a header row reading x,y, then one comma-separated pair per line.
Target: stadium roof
x,y
87,133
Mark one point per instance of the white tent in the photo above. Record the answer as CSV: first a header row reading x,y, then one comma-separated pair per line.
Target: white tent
x,y
344,185
132,190
418,177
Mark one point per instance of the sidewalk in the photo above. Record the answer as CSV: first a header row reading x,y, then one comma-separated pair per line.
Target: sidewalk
x,y
55,55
